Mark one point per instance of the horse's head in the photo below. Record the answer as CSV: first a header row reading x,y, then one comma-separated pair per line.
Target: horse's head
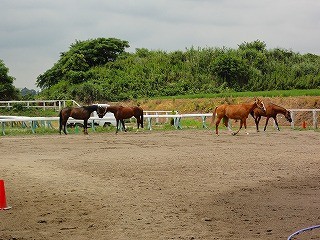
x,y
101,111
260,104
288,116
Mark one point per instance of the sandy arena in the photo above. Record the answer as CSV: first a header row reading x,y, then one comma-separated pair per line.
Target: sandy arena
x,y
183,184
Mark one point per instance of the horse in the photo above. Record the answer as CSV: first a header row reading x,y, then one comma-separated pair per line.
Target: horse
x,y
271,112
121,113
82,113
237,112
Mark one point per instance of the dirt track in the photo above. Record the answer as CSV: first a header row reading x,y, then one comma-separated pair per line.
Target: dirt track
x,y
185,184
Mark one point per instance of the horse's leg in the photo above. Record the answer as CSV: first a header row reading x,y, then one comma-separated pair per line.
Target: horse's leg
x,y
257,120
265,126
64,124
276,122
241,123
141,120
85,126
138,122
118,120
124,127
227,123
217,125
64,128
60,126
245,125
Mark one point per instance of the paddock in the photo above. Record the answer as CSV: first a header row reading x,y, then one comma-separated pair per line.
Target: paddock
x,y
187,184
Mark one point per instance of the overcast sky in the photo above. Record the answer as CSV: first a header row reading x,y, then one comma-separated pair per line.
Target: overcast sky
x,y
33,33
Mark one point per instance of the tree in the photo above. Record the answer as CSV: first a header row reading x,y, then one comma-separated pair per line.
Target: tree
x,y
7,90
256,45
230,68
82,55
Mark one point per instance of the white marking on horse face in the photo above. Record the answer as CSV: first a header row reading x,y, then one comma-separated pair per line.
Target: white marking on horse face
x,y
264,107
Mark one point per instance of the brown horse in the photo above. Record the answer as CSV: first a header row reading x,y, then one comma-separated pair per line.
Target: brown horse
x,y
235,111
121,113
82,113
271,112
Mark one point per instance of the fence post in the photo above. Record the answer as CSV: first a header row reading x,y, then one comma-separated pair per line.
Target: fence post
x,y
177,122
204,125
3,126
315,119
292,113
149,123
33,126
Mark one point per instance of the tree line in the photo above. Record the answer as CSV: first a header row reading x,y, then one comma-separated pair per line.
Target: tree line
x,y
101,70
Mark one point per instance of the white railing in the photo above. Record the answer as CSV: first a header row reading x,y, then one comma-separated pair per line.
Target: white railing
x,y
44,104
160,113
34,122
177,118
315,115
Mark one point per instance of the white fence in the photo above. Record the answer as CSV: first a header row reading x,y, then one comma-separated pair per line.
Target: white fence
x,y
44,104
33,122
177,118
315,116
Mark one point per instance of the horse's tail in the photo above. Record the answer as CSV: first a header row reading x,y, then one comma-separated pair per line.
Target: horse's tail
x,y
60,121
213,116
141,119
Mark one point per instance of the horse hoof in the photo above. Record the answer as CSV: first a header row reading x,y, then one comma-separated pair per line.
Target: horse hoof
x,y
233,134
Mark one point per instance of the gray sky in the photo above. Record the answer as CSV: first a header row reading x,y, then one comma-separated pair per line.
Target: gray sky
x,y
34,32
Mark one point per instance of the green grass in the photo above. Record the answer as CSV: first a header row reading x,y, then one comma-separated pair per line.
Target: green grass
x,y
274,93
19,130
29,112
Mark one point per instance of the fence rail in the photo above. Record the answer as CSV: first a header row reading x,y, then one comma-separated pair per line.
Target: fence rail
x,y
45,104
149,115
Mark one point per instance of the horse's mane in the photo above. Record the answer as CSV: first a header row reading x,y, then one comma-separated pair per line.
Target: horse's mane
x,y
277,105
91,107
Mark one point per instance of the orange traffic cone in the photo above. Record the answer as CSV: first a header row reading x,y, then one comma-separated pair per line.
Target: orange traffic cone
x,y
304,124
3,201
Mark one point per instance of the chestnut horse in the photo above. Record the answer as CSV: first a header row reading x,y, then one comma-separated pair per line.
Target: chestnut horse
x,y
82,113
121,113
271,112
235,111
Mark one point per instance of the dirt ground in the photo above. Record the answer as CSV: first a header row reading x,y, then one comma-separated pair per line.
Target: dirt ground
x,y
182,184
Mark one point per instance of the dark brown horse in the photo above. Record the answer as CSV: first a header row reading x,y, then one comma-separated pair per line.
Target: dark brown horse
x,y
235,111
82,113
272,110
121,113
